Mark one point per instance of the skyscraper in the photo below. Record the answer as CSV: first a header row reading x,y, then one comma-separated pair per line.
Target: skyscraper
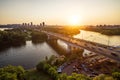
x,y
31,23
43,23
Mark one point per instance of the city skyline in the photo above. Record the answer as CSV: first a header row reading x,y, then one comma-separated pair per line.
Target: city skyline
x,y
60,12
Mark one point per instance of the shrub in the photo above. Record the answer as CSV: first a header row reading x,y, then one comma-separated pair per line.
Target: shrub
x,y
116,75
12,73
39,66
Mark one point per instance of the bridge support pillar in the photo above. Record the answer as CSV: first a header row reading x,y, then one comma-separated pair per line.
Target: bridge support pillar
x,y
48,37
70,48
52,38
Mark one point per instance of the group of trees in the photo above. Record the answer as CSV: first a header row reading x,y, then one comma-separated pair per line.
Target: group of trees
x,y
19,36
48,69
111,32
69,31
18,73
105,31
38,37
12,73
74,76
12,38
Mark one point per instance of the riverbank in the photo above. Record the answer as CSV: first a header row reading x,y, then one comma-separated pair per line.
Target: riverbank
x,y
109,32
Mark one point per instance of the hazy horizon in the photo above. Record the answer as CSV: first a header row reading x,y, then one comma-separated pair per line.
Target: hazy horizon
x,y
60,12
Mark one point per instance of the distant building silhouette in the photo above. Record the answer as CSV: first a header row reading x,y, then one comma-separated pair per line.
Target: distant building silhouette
x,y
25,24
40,24
31,23
43,24
28,24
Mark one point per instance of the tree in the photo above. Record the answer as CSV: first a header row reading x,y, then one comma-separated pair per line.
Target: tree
x,y
116,75
8,76
39,66
63,77
46,67
38,37
52,72
80,77
109,78
12,73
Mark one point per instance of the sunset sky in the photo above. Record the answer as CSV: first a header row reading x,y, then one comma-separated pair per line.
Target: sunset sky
x,y
60,12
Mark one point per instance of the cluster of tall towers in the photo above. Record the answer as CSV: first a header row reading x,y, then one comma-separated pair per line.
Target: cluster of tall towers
x,y
31,24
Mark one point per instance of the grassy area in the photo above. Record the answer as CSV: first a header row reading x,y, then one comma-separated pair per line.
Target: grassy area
x,y
35,75
68,31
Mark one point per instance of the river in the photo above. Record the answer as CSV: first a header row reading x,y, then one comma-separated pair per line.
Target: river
x,y
99,38
30,55
2,29
27,56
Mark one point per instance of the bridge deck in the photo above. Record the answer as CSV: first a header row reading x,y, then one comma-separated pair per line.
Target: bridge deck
x,y
91,46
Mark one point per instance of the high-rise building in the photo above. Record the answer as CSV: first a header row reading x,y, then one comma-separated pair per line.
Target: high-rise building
x,y
23,24
40,24
43,23
28,24
31,23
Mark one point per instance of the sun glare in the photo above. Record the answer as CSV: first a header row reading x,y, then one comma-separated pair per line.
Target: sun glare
x,y
74,20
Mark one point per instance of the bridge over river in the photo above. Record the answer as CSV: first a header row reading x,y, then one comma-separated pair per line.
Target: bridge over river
x,y
91,46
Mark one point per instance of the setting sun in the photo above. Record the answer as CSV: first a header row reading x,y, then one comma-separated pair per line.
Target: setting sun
x,y
75,20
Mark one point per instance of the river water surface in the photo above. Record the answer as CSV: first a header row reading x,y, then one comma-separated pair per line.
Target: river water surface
x,y
27,56
99,38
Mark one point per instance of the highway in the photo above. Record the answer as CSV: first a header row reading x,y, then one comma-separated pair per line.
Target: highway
x,y
91,46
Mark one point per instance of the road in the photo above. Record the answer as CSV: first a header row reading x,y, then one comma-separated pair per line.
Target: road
x,y
91,46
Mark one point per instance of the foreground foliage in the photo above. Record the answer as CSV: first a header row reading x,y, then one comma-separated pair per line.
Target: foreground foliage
x,y
43,66
46,71
35,75
50,68
12,73
52,71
